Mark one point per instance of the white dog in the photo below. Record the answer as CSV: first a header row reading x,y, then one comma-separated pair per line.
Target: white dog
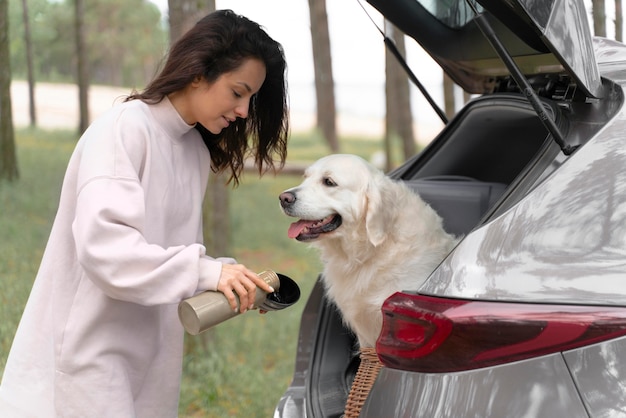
x,y
376,236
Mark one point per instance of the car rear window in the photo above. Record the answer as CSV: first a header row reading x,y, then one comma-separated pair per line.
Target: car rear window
x,y
452,13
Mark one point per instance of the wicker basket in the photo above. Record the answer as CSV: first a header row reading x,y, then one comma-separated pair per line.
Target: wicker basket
x,y
363,382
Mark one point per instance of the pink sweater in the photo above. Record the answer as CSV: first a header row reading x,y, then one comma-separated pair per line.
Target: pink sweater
x,y
100,335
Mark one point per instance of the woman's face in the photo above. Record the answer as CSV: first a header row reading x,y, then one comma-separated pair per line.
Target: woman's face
x,y
215,105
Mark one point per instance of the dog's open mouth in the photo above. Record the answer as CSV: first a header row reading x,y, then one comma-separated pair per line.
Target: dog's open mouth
x,y
305,230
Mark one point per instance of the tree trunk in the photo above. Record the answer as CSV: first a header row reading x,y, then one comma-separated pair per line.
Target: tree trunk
x,y
598,11
215,209
215,217
216,233
29,65
619,21
466,97
448,96
8,159
82,66
399,119
183,14
322,63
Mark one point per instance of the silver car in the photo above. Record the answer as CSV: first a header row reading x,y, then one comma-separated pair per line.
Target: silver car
x,y
527,315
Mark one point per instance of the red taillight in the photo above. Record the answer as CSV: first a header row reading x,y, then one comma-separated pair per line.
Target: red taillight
x,y
433,335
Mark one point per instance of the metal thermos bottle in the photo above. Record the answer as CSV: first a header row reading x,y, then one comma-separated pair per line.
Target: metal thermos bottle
x,y
207,309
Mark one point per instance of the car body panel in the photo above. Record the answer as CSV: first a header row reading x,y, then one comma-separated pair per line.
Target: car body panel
x,y
570,239
565,30
541,388
599,372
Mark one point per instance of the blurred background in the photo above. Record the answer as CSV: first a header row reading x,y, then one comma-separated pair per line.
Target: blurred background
x,y
64,62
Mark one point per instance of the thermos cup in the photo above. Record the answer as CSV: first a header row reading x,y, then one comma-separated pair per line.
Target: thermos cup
x,y
207,309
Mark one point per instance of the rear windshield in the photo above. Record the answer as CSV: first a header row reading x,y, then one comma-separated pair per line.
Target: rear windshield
x,y
452,13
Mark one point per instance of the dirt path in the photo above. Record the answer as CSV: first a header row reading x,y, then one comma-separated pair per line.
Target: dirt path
x,y
57,108
57,104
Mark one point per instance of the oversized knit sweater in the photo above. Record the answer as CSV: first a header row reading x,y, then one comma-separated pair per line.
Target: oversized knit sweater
x,y
100,335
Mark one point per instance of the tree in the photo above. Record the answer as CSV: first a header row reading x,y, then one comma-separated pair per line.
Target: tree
x,y
215,213
29,64
184,13
323,69
399,120
112,58
109,25
619,21
82,73
448,96
8,159
598,11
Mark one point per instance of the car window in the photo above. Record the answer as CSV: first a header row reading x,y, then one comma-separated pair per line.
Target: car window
x,y
452,13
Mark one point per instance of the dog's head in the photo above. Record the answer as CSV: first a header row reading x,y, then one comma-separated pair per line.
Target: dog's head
x,y
338,192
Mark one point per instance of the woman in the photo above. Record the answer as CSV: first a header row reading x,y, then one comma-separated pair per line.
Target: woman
x,y
100,335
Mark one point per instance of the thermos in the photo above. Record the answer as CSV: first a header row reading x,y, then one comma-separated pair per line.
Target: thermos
x,y
207,309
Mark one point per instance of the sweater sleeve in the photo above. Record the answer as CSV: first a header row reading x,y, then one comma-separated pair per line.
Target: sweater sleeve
x,y
120,156
111,248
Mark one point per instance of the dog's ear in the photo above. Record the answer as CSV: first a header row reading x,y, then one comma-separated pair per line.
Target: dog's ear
x,y
377,218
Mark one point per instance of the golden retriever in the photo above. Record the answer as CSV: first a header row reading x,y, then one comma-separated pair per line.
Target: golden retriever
x,y
376,236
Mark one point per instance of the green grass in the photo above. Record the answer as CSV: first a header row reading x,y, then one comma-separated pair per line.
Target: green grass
x,y
27,210
239,368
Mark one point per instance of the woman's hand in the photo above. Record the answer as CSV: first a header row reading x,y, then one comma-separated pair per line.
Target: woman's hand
x,y
236,278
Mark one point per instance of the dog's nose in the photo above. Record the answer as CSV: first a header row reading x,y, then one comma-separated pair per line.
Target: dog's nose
x,y
286,199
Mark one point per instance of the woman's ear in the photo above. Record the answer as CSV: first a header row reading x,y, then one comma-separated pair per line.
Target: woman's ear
x,y
377,218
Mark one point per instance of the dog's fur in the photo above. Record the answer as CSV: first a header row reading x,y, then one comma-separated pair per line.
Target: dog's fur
x,y
386,239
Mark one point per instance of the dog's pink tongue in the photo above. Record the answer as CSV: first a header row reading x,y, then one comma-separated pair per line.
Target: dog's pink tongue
x,y
296,228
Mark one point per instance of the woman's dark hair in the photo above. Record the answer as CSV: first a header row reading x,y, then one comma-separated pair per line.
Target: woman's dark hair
x,y
219,43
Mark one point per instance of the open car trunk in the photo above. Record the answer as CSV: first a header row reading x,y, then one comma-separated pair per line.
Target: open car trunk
x,y
467,174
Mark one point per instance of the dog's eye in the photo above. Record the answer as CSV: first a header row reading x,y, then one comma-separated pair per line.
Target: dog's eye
x,y
327,181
